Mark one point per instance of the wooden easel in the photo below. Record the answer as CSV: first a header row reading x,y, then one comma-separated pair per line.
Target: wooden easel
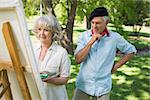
x,y
5,84
16,64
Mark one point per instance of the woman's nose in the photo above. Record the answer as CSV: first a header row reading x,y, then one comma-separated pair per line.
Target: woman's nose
x,y
42,31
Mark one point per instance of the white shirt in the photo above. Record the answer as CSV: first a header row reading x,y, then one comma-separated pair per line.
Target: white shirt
x,y
55,61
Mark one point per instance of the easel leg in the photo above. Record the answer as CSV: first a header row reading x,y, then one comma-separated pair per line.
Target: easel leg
x,y
6,85
12,48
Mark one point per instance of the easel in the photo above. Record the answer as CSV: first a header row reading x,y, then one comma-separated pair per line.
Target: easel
x,y
16,64
5,84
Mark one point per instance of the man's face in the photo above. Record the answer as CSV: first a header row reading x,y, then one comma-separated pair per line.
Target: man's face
x,y
98,24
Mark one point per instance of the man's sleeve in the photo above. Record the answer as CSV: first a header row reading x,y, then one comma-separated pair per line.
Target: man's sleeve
x,y
80,44
124,46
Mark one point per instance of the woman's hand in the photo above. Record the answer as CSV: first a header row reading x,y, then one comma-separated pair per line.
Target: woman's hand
x,y
44,72
50,76
54,78
58,80
47,79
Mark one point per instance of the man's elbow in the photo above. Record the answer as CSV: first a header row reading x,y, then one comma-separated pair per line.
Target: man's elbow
x,y
132,54
77,59
78,62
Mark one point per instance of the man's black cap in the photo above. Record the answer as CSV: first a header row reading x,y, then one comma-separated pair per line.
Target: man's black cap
x,y
100,11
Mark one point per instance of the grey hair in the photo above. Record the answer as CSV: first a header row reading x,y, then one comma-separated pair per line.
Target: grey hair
x,y
106,18
50,23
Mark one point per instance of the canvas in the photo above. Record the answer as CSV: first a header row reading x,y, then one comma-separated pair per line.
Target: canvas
x,y
12,11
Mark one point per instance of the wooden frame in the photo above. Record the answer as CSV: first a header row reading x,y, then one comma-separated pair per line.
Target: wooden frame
x,y
12,11
4,83
12,48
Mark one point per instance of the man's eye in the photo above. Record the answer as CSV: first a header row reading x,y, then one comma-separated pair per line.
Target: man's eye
x,y
92,22
96,22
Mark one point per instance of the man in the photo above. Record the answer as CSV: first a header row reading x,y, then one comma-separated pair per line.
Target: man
x,y
96,51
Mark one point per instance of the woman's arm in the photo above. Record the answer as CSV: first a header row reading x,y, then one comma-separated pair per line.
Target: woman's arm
x,y
57,80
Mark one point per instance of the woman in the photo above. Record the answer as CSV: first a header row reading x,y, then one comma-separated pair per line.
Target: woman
x,y
51,57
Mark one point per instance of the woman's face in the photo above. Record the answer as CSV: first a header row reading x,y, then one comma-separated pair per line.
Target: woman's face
x,y
44,35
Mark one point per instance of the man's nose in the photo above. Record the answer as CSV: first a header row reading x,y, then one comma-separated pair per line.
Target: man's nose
x,y
94,26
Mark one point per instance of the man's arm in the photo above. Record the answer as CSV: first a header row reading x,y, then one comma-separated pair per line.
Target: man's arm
x,y
81,55
121,62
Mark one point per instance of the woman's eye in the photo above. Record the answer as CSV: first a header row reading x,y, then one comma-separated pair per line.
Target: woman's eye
x,y
39,29
46,30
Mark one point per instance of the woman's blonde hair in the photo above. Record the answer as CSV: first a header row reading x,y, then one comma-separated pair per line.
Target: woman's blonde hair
x,y
50,23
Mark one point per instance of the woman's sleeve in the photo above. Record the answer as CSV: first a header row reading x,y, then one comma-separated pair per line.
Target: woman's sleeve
x,y
65,65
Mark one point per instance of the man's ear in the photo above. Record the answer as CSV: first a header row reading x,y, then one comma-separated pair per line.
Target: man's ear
x,y
107,21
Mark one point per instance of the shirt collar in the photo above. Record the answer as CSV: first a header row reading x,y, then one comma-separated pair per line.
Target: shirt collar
x,y
52,47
